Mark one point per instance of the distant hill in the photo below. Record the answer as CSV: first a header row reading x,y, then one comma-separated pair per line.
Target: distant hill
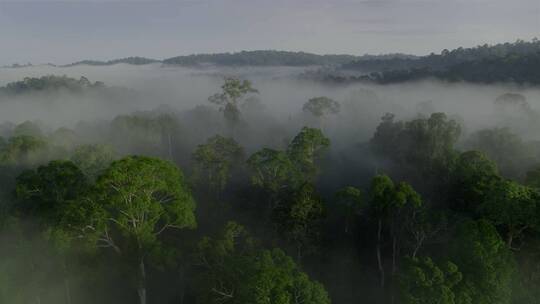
x,y
517,68
271,58
127,60
252,58
49,83
504,62
517,62
446,59
512,68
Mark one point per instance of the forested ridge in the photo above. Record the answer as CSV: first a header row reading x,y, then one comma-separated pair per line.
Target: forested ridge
x,y
447,58
273,58
222,204
515,62
128,60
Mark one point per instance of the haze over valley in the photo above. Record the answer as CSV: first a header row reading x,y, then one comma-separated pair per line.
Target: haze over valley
x,y
312,152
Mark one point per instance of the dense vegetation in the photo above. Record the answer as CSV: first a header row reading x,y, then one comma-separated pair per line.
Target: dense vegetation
x,y
222,205
49,83
260,58
448,58
517,62
127,60
248,58
522,69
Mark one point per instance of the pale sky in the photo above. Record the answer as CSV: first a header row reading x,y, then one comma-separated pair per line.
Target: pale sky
x,y
41,31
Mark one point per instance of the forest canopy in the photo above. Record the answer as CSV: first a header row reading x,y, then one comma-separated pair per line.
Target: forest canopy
x,y
341,195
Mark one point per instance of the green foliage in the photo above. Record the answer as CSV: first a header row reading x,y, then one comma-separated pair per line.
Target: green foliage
x,y
29,267
320,106
422,281
506,62
129,216
128,60
28,128
142,197
448,58
273,170
93,159
298,217
306,148
532,178
433,139
278,170
50,82
131,204
46,191
260,58
215,160
236,271
232,92
23,150
393,207
351,197
381,194
473,178
505,148
152,134
350,204
426,144
387,134
513,207
485,262
384,195
527,276
63,139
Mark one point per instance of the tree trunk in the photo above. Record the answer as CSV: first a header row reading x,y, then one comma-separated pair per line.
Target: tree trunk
x,y
415,251
379,258
394,253
509,239
38,295
67,288
141,289
170,146
394,267
182,283
299,254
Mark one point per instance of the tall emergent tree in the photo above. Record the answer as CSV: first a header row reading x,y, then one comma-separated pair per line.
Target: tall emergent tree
x,y
93,159
473,177
392,205
273,170
47,191
214,161
276,171
513,208
486,263
134,201
46,195
235,270
350,202
320,107
305,149
298,218
423,144
232,92
23,150
423,281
